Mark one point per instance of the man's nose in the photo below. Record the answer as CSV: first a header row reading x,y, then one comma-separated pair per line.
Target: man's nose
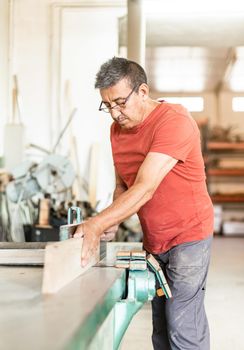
x,y
115,113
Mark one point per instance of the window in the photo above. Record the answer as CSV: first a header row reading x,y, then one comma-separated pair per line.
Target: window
x,y
238,104
193,104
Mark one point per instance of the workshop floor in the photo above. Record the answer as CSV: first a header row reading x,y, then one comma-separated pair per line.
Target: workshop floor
x,y
224,301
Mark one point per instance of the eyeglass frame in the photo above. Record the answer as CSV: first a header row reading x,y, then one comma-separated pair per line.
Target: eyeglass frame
x,y
121,105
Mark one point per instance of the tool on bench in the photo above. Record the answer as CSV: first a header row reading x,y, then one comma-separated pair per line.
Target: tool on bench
x,y
164,287
137,260
133,260
67,231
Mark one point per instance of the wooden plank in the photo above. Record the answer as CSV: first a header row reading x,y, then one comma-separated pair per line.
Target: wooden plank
x,y
18,253
62,264
44,212
23,245
21,256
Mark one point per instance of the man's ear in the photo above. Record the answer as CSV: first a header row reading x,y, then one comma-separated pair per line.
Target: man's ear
x,y
143,91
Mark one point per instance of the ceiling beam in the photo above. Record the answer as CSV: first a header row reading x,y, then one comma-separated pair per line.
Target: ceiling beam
x,y
229,64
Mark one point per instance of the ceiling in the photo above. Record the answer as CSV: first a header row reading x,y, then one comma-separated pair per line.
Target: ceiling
x,y
193,52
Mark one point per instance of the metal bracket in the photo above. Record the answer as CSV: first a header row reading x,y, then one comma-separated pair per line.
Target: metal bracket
x,y
141,288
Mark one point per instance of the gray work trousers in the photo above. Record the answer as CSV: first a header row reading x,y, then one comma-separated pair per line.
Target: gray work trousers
x,y
180,323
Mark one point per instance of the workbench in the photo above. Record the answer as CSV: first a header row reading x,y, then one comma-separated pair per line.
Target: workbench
x,y
66,320
91,312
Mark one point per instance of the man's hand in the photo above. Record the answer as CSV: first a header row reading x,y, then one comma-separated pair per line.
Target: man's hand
x,y
91,239
110,233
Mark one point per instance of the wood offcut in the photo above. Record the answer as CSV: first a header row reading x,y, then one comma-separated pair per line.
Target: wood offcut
x,y
62,264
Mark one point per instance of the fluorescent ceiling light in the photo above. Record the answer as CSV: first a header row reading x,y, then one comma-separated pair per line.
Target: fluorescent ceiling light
x,y
193,104
217,7
238,104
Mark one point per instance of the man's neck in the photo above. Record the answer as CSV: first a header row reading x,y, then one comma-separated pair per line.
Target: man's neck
x,y
150,106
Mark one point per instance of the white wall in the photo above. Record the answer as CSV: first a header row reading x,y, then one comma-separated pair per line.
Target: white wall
x,y
88,37
210,105
51,43
3,66
228,117
217,108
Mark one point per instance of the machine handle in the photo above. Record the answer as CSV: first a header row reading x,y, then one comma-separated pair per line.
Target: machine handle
x,y
78,216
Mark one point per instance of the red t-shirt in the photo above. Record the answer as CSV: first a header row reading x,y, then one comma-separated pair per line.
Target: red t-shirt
x,y
180,209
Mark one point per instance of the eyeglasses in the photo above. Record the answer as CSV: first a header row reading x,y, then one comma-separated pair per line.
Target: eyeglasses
x,y
120,103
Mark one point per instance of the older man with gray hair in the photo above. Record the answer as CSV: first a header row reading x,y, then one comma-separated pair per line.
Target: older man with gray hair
x,y
160,176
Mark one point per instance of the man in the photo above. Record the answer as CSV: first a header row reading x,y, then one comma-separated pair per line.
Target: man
x,y
160,176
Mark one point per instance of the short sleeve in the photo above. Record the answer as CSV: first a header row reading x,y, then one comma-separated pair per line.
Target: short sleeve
x,y
175,136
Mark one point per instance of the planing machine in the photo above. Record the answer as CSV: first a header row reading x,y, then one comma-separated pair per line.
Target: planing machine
x,y
48,301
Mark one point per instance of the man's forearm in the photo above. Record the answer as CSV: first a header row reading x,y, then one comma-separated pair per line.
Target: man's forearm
x,y
125,204
118,191
151,173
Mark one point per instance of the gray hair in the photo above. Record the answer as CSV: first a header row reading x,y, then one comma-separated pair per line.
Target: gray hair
x,y
118,68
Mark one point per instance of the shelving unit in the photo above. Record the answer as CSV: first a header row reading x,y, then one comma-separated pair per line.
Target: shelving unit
x,y
227,146
225,178
227,198
225,172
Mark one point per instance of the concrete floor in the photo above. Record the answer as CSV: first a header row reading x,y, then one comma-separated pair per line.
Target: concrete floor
x,y
224,301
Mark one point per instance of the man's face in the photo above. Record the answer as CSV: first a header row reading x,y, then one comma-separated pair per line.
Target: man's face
x,y
132,112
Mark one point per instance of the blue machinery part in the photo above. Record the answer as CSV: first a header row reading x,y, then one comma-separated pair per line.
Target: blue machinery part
x,y
77,212
105,328
141,288
67,231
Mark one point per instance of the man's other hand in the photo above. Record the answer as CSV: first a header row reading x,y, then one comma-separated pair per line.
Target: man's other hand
x,y
110,233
